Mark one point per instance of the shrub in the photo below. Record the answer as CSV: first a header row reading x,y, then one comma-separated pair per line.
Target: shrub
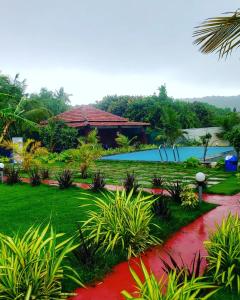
x,y
86,252
160,207
33,264
192,270
121,222
12,175
157,181
44,173
130,183
192,162
220,164
174,289
65,179
35,178
175,189
98,182
189,198
224,253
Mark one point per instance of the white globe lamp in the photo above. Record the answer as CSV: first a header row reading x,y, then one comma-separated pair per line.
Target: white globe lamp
x,y
200,178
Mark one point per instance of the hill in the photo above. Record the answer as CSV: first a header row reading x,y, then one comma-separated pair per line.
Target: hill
x,y
219,101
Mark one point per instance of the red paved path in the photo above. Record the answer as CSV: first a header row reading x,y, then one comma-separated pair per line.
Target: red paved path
x,y
185,243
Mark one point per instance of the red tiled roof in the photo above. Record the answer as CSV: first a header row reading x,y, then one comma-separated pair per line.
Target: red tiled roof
x,y
87,115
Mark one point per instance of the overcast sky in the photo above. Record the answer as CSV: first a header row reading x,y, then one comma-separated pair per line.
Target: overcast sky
x,y
95,48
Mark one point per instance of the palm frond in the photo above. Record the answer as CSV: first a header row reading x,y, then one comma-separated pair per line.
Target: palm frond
x,y
219,34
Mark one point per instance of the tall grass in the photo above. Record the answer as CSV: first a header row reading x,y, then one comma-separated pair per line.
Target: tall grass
x,y
224,253
32,265
122,222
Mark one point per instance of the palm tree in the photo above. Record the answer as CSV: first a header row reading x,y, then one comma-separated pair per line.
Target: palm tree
x,y
10,116
219,34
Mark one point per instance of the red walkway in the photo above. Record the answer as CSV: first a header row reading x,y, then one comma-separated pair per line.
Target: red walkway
x,y
186,242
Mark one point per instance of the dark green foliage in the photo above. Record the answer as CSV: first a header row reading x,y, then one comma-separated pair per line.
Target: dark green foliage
x,y
12,175
45,174
130,183
157,181
161,208
57,136
192,162
159,109
175,189
190,271
65,179
98,182
35,177
85,254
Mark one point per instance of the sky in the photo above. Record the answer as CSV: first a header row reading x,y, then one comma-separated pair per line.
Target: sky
x,y
96,48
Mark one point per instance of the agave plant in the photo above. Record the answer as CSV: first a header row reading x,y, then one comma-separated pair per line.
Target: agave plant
x,y
152,289
32,265
224,253
121,221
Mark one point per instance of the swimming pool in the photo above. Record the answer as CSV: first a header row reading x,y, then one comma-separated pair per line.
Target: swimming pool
x,y
184,154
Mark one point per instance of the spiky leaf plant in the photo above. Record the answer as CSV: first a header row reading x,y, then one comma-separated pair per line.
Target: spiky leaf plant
x,y
65,179
224,253
152,289
121,221
32,265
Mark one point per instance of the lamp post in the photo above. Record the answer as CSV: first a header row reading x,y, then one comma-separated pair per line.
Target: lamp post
x,y
200,178
1,171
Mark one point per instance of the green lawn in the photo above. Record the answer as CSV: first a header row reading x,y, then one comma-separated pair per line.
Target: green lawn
x,y
115,172
230,186
22,206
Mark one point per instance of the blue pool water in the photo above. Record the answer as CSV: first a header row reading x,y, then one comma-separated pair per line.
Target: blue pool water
x,y
184,153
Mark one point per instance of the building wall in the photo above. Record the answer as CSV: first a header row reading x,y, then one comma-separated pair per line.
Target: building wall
x,y
196,133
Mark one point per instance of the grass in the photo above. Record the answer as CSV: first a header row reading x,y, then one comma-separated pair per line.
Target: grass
x,y
115,172
22,206
230,186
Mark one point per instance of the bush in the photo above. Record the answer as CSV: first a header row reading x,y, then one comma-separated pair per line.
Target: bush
x,y
189,198
224,253
65,179
98,182
35,178
192,162
157,182
130,183
86,252
33,265
161,208
121,222
220,164
175,189
12,175
174,289
44,173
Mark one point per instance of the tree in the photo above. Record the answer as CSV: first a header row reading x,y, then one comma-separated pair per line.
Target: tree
x,y
219,34
234,139
11,116
205,141
11,91
57,136
163,92
55,102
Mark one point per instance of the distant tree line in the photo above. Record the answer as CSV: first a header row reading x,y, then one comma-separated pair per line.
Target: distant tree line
x,y
165,114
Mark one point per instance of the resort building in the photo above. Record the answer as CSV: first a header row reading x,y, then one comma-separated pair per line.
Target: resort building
x,y
85,118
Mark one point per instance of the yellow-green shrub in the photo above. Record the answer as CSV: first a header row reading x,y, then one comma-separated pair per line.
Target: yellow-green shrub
x,y
188,198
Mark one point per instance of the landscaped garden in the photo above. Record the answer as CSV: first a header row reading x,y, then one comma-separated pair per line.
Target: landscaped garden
x,y
62,227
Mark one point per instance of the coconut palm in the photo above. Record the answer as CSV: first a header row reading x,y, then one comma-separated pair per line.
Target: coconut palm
x,y
219,34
